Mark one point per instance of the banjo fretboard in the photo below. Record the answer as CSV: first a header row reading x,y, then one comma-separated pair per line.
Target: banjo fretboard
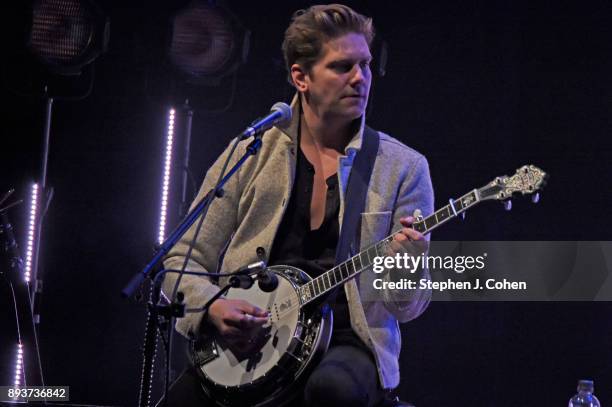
x,y
343,272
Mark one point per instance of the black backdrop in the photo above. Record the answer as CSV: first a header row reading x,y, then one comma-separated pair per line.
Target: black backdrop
x,y
479,87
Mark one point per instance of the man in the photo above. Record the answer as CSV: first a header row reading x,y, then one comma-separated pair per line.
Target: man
x,y
286,204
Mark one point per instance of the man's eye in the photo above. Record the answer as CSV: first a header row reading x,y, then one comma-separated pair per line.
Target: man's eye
x,y
344,67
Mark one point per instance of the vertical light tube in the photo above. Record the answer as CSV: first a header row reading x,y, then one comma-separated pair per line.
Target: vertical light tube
x,y
166,178
31,250
33,222
19,371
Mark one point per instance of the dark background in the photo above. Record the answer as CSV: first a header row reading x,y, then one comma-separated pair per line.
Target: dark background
x,y
479,87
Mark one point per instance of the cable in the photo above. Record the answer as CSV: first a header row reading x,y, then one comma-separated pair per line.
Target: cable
x,y
17,320
167,345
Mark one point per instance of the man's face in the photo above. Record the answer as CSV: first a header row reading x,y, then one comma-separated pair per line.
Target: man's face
x,y
338,84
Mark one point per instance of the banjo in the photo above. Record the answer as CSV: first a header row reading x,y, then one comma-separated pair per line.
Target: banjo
x,y
299,329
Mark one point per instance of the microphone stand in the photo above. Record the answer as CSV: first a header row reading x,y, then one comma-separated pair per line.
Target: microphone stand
x,y
176,308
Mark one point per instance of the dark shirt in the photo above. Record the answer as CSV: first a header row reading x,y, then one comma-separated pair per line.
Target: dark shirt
x,y
313,251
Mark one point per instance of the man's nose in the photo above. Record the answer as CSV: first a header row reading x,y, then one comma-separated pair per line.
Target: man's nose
x,y
359,75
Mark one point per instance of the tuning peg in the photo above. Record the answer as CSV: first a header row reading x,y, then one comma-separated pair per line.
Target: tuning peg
x,y
535,198
508,205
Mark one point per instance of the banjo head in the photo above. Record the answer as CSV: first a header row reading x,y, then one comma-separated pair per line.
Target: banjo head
x,y
234,368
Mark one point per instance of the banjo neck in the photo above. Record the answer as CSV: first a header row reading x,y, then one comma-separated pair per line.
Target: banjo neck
x,y
326,282
527,180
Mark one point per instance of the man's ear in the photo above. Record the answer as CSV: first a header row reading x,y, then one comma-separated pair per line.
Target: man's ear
x,y
298,75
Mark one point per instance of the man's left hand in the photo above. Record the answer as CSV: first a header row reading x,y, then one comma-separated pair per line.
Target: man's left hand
x,y
407,233
408,240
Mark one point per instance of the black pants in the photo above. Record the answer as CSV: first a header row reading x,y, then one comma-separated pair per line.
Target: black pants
x,y
347,375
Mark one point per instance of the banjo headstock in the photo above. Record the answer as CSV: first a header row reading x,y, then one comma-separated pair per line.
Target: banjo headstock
x,y
528,179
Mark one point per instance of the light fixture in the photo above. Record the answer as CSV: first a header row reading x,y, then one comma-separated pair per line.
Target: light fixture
x,y
19,371
166,177
206,42
66,35
31,248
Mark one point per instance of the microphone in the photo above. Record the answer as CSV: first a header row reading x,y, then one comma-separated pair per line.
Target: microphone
x,y
267,281
251,267
241,278
280,113
241,281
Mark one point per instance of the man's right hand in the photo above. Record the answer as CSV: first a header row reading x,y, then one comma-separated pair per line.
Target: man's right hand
x,y
238,322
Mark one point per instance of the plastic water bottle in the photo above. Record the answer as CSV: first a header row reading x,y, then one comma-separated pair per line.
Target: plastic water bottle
x,y
585,396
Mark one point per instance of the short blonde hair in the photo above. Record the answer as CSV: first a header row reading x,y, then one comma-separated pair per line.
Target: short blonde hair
x,y
311,28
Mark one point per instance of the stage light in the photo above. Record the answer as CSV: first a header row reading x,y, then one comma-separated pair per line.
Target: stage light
x,y
66,35
166,177
19,371
207,42
30,247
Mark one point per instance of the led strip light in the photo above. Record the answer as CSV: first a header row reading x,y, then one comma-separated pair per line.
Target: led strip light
x,y
31,232
166,179
19,371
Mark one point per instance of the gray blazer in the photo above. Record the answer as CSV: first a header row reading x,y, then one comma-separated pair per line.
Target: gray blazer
x,y
251,211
